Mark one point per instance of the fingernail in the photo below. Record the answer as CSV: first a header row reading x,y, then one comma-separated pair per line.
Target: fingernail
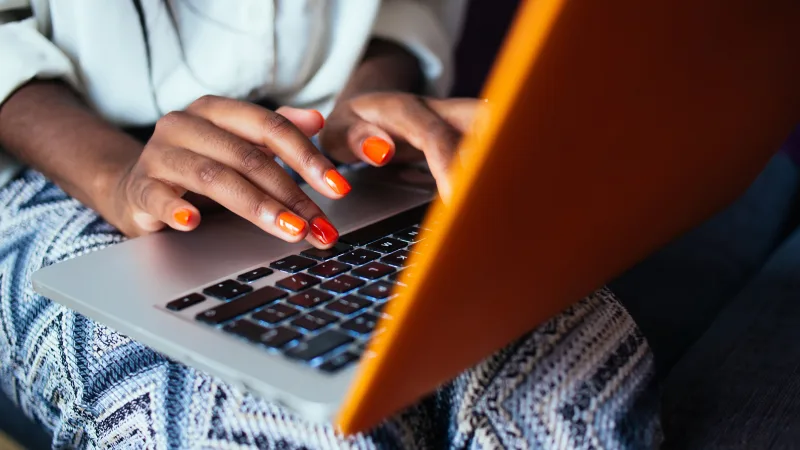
x,y
337,182
376,149
324,231
182,216
321,117
290,223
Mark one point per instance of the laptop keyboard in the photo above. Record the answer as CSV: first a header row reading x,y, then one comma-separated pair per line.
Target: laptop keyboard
x,y
326,308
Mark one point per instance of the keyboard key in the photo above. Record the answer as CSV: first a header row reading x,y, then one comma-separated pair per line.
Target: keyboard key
x,y
292,264
348,305
310,298
379,307
362,324
338,362
397,259
227,290
276,313
359,256
322,255
387,245
319,345
330,269
385,227
378,290
272,337
373,271
298,282
254,274
410,235
314,320
342,284
238,307
185,302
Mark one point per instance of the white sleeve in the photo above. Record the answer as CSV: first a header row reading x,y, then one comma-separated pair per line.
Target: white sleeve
x,y
430,29
25,52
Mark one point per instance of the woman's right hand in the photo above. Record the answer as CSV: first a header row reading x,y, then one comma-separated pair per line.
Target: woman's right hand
x,y
224,149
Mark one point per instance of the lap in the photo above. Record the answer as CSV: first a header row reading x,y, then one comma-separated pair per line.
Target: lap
x,y
583,378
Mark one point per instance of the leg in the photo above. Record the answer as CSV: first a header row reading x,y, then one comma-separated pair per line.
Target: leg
x,y
675,293
570,380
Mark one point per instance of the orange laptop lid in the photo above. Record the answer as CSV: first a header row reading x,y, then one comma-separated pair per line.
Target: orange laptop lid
x,y
612,127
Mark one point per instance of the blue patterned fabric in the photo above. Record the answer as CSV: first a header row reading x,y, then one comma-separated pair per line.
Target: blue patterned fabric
x,y
582,380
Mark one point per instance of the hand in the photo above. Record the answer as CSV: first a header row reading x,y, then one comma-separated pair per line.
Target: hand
x,y
379,127
224,149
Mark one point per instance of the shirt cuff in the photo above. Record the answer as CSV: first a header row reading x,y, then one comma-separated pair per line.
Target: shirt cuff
x,y
27,54
415,26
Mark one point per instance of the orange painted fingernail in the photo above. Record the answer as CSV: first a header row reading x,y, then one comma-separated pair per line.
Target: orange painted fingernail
x,y
324,230
321,117
337,182
376,149
291,223
182,216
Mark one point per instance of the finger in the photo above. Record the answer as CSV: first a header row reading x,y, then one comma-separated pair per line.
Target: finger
x,y
409,118
215,180
309,121
270,129
156,204
458,112
352,139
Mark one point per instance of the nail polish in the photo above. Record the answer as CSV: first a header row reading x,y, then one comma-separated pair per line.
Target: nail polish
x,y
182,216
321,117
337,182
377,149
290,223
324,230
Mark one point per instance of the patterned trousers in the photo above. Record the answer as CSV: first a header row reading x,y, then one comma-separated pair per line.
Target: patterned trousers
x,y
582,380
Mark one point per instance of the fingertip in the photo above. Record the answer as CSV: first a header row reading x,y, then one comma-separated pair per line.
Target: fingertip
x,y
309,121
292,226
378,151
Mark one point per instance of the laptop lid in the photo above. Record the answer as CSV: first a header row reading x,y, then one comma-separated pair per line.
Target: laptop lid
x,y
612,127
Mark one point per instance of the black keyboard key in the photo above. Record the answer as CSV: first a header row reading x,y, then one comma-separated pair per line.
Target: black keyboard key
x,y
342,284
362,324
298,282
387,245
272,337
359,256
276,313
378,290
398,259
310,298
348,305
410,235
254,274
330,269
322,255
385,227
185,302
238,307
319,345
379,307
373,271
227,290
338,362
292,264
314,320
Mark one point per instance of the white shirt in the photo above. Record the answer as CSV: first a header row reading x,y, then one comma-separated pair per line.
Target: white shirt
x,y
296,52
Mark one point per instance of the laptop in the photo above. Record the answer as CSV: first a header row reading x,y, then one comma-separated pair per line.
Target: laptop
x,y
610,128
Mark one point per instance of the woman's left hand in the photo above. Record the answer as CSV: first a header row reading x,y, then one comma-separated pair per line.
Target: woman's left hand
x,y
391,126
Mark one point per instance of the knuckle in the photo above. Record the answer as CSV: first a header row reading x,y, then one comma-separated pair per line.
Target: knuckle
x,y
170,119
299,202
209,172
203,102
259,207
276,125
253,160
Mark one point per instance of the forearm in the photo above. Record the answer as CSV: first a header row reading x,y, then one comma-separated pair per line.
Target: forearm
x,y
386,66
47,126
